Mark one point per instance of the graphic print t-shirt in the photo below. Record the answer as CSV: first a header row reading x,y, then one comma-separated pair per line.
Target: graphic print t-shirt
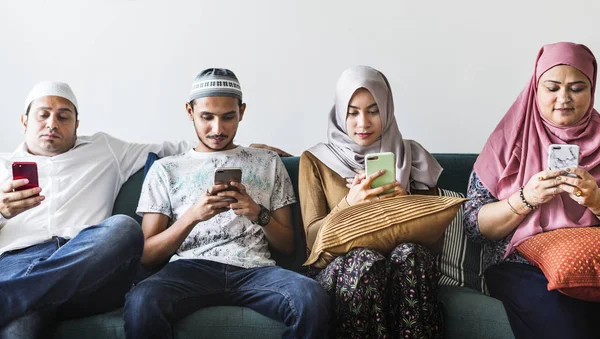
x,y
176,183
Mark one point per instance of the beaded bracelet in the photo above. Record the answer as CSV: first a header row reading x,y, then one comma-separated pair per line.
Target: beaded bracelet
x,y
528,205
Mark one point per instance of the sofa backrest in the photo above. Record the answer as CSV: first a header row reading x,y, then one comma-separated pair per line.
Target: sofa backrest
x,y
455,176
457,169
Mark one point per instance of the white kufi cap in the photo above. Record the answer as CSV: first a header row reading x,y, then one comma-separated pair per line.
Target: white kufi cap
x,y
51,88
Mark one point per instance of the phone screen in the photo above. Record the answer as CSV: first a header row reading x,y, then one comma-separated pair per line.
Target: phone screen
x,y
25,170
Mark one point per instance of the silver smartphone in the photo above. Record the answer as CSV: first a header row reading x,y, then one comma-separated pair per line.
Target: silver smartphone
x,y
562,156
225,175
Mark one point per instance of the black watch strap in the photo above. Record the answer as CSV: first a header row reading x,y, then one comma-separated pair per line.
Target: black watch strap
x,y
264,216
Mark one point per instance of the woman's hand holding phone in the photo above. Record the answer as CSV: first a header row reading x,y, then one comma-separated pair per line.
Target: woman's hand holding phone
x,y
361,191
583,189
14,201
577,182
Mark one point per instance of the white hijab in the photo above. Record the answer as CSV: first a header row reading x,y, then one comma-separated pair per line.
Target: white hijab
x,y
415,167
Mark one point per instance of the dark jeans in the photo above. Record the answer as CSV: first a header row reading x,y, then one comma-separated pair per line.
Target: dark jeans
x,y
86,275
533,311
184,286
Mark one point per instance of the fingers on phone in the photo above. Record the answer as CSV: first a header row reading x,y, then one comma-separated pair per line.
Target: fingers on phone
x,y
369,179
28,193
217,188
11,185
239,186
219,205
25,204
576,171
570,180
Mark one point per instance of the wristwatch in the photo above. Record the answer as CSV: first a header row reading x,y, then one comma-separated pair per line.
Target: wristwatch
x,y
264,216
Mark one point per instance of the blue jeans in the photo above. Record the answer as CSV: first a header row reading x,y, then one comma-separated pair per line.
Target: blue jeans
x,y
185,286
86,275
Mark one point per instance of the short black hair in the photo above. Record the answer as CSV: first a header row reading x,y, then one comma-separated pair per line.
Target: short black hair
x,y
29,108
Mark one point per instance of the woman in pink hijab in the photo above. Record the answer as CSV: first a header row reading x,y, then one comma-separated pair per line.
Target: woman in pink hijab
x,y
514,196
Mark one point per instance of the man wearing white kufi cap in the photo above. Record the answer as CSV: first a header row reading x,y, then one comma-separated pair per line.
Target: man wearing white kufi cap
x,y
59,245
46,135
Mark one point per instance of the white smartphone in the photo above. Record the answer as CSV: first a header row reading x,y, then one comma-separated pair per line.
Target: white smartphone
x,y
562,156
225,175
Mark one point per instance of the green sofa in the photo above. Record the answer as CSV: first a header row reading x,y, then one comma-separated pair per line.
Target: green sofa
x,y
467,313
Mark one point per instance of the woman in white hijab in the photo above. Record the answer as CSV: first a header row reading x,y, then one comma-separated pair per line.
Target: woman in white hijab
x,y
371,295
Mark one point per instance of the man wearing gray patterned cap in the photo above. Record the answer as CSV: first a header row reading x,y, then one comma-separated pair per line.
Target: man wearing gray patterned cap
x,y
216,236
61,251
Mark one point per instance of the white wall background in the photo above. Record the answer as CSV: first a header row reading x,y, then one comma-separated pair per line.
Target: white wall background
x,y
455,66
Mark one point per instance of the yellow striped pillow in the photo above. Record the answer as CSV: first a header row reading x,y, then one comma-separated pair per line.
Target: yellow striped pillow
x,y
382,225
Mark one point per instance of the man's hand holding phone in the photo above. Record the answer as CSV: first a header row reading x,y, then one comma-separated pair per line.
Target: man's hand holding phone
x,y
361,191
210,204
244,204
14,201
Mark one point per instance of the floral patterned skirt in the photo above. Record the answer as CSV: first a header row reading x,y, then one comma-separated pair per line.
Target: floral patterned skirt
x,y
377,297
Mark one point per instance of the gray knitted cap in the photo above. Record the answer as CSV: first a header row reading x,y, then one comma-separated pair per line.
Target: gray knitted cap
x,y
216,82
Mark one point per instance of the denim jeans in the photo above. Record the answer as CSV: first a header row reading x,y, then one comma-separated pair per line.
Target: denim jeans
x,y
184,286
86,275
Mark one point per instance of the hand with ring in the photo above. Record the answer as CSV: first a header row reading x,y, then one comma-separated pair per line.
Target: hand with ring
x,y
583,189
361,191
210,204
542,187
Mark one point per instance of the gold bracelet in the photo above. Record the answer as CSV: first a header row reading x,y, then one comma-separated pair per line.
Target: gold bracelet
x,y
511,208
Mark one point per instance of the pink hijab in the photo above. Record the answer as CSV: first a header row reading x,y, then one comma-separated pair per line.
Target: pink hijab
x,y
518,147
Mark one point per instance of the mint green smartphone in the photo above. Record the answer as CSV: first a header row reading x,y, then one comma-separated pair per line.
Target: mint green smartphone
x,y
381,161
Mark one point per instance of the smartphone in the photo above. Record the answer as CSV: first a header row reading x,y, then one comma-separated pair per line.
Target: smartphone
x,y
26,170
225,175
562,156
381,161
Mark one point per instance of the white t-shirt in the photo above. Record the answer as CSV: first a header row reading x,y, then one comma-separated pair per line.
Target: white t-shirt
x,y
80,186
176,183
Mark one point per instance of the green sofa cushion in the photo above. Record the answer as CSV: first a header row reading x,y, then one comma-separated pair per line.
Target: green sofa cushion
x,y
467,313
470,314
457,168
213,322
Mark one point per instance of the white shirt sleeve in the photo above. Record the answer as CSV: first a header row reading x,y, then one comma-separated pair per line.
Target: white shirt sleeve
x,y
132,156
154,197
5,175
283,191
3,221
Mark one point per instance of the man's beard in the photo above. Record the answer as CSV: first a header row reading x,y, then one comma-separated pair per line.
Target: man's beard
x,y
211,148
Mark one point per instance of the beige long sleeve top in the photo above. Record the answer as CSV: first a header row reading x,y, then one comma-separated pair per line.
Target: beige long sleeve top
x,y
322,192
